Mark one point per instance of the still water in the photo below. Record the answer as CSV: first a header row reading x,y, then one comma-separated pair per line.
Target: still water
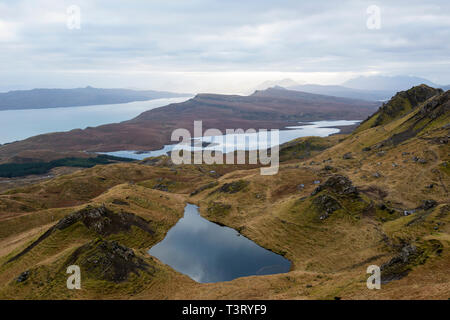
x,y
207,252
22,124
230,143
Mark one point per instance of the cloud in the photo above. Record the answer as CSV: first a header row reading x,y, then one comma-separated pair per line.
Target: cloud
x,y
217,38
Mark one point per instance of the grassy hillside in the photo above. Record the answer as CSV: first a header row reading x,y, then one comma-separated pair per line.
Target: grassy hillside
x,y
401,104
338,204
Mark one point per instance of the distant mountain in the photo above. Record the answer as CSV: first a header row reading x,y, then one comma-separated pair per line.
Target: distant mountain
x,y
390,83
370,88
285,83
283,93
54,98
272,109
345,92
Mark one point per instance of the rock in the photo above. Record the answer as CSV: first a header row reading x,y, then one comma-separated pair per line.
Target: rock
x,y
161,187
23,276
326,203
430,186
394,165
377,175
419,160
316,182
233,187
366,149
300,186
381,153
410,255
422,161
108,260
101,220
337,184
428,204
347,156
324,216
408,212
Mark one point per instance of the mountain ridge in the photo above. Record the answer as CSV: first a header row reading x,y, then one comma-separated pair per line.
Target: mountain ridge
x,y
56,98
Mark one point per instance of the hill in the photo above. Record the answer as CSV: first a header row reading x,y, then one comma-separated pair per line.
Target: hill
x,y
401,104
272,109
379,82
345,92
337,205
57,98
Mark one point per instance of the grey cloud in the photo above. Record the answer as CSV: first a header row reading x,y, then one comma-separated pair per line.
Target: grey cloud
x,y
212,36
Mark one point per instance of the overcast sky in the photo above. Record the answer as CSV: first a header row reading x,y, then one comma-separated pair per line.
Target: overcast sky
x,y
218,46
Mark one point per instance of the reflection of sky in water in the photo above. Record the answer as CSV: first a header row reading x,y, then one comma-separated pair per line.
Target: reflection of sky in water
x,y
207,252
21,124
232,142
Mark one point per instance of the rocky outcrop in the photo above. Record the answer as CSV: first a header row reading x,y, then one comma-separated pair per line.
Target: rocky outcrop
x,y
99,219
433,110
233,187
337,184
104,221
327,205
23,276
403,102
108,260
409,256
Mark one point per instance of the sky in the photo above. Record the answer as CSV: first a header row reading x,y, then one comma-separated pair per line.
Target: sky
x,y
225,46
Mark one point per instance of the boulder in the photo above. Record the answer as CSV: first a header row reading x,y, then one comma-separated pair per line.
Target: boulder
x,y
337,184
348,155
23,276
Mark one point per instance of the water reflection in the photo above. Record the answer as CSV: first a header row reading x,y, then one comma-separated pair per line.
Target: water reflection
x,y
232,142
207,252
